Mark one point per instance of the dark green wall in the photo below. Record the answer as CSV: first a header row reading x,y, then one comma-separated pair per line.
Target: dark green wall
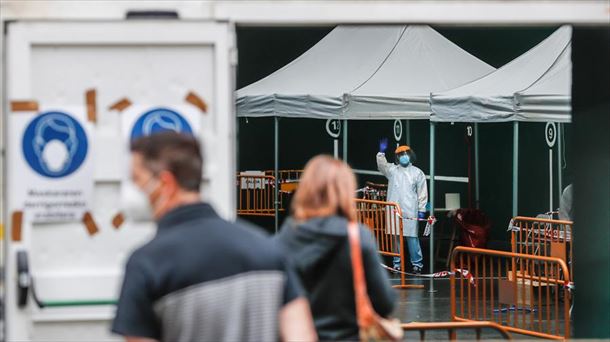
x,y
591,117
264,50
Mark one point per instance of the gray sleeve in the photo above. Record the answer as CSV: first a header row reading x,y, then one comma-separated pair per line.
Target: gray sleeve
x,y
135,315
565,204
292,286
378,284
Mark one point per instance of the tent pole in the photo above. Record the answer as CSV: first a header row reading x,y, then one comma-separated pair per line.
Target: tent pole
x,y
476,165
276,202
550,179
345,141
559,160
515,167
431,200
336,148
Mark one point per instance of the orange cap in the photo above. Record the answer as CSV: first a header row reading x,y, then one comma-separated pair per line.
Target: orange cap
x,y
402,148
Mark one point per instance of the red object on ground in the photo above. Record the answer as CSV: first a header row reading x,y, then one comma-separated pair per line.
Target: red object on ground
x,y
474,226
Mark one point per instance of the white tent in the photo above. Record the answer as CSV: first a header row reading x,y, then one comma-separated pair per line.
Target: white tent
x,y
492,98
312,86
549,98
535,86
422,61
364,72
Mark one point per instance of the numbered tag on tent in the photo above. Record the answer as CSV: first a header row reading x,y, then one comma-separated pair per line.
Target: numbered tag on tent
x,y
333,128
550,134
397,130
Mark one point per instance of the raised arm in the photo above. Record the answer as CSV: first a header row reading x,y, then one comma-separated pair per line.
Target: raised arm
x,y
383,166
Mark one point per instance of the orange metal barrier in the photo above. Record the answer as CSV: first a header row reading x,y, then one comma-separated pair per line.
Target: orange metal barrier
x,y
288,179
375,192
255,195
527,294
543,237
451,327
384,220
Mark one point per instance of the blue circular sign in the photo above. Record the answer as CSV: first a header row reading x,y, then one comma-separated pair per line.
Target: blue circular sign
x,y
55,144
160,120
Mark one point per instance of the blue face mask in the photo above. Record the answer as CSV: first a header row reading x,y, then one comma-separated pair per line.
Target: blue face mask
x,y
404,160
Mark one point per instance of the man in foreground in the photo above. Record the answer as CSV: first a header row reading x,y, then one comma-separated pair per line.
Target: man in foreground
x,y
179,286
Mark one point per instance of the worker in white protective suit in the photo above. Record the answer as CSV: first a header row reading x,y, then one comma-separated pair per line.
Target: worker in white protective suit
x,y
407,187
566,212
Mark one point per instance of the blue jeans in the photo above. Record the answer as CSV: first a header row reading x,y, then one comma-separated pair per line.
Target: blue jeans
x,y
415,253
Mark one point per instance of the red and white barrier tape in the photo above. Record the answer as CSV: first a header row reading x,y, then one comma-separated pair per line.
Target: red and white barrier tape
x,y
443,274
547,232
512,227
465,273
369,190
288,180
430,221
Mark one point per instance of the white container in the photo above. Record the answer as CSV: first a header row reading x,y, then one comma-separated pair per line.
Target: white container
x,y
452,201
153,63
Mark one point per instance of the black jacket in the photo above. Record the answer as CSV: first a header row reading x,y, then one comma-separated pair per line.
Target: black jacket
x,y
319,251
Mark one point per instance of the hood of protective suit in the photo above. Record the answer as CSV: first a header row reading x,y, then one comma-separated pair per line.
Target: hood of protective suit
x,y
315,239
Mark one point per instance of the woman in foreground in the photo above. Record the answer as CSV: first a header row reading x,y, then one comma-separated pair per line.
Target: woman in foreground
x,y
316,242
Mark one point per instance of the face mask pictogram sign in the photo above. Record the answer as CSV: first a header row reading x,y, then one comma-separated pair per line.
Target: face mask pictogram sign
x,y
143,120
50,164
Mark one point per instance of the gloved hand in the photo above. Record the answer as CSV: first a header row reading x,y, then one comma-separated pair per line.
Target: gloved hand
x,y
383,144
421,215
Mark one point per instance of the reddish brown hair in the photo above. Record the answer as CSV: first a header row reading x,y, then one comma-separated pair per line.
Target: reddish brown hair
x,y
327,187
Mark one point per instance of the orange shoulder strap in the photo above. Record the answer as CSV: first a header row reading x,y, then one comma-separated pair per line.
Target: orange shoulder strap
x,y
364,309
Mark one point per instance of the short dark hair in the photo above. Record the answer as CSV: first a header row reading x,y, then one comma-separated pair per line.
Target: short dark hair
x,y
177,153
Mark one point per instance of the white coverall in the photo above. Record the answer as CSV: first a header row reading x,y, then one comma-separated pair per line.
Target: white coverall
x,y
407,187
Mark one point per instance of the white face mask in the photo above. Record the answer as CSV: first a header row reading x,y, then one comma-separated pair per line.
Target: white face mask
x,y
135,204
55,155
